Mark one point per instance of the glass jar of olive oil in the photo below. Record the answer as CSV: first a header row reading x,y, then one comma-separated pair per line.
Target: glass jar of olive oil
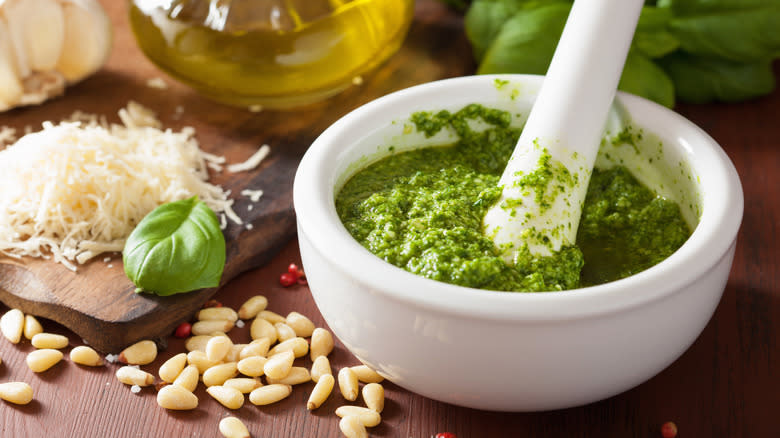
x,y
272,53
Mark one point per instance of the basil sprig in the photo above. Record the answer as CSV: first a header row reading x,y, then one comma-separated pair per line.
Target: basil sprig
x,y
178,247
693,50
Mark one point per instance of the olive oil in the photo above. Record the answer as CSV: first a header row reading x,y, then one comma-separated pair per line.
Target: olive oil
x,y
274,53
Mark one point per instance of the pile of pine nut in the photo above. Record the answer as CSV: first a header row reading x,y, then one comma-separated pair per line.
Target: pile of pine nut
x,y
14,324
229,371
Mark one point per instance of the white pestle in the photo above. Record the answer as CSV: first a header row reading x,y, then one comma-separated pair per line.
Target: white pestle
x,y
567,122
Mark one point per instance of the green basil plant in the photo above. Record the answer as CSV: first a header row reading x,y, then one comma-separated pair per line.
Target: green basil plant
x,y
695,50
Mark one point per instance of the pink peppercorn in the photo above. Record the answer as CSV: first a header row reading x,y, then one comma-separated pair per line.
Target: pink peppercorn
x,y
293,269
183,330
669,430
287,279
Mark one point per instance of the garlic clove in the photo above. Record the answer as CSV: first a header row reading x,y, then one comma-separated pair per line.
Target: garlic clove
x,y
46,45
40,86
17,46
38,28
10,86
87,44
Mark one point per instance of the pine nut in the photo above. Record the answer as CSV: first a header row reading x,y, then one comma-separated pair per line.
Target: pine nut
x,y
284,331
230,398
41,360
320,392
270,316
351,427
298,346
218,346
211,326
31,326
234,355
198,342
19,393
217,374
84,355
261,328
171,368
366,416
252,307
12,325
374,396
199,359
265,395
296,376
320,367
302,325
348,384
217,313
130,375
252,366
49,340
140,353
321,343
366,374
243,384
278,366
258,347
232,427
188,378
176,398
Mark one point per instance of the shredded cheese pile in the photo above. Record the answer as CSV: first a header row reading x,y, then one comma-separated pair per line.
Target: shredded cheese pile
x,y
77,189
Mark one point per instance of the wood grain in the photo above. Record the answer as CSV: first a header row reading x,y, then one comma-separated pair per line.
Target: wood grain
x,y
98,302
726,385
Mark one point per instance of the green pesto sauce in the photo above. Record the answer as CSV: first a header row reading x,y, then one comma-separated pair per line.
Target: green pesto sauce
x,y
422,210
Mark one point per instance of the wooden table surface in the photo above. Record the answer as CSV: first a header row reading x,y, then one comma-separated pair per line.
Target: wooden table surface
x,y
726,385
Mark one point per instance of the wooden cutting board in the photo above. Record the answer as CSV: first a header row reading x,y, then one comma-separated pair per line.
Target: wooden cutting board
x,y
98,302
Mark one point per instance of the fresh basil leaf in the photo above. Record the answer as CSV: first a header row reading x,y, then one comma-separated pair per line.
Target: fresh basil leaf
x,y
653,19
178,247
652,36
656,44
641,76
527,41
735,31
699,7
484,21
702,80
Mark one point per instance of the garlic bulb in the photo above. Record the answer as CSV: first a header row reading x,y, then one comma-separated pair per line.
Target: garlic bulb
x,y
48,44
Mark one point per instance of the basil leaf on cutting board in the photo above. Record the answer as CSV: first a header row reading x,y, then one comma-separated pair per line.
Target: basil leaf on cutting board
x,y
178,247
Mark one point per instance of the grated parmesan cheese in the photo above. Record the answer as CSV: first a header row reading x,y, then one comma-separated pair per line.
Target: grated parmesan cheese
x,y
253,195
77,189
252,161
7,136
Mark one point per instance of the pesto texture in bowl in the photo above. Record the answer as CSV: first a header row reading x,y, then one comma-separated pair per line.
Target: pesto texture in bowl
x,y
422,210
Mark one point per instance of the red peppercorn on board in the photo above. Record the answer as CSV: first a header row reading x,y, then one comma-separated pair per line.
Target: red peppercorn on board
x,y
98,302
